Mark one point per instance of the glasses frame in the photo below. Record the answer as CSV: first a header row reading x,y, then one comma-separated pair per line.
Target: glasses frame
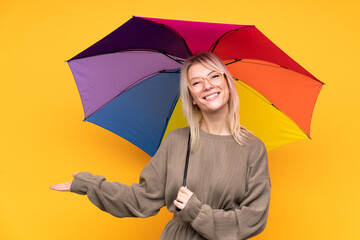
x,y
209,81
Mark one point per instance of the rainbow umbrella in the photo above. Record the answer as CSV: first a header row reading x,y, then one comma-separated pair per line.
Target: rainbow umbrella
x,y
129,81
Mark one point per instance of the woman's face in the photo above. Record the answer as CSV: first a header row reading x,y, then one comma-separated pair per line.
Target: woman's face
x,y
211,98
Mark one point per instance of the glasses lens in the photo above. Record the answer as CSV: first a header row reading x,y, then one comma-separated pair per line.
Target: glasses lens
x,y
214,78
196,84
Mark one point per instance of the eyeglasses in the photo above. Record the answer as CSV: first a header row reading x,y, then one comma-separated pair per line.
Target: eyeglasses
x,y
214,78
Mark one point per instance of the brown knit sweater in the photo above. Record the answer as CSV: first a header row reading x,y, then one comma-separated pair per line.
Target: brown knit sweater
x,y
230,182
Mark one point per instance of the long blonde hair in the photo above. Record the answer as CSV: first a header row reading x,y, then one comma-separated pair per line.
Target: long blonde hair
x,y
193,112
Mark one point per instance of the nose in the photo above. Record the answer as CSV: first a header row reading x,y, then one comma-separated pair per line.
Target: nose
x,y
207,84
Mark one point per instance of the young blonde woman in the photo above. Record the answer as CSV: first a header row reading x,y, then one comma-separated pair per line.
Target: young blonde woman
x,y
228,183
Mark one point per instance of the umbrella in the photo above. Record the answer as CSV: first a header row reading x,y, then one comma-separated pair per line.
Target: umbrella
x,y
129,80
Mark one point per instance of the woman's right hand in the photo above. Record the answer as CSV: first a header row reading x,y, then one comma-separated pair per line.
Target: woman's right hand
x,y
63,187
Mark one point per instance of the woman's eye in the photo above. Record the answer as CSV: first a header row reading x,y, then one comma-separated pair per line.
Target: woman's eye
x,y
215,76
195,83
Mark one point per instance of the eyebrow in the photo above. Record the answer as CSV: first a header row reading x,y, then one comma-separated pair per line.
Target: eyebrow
x,y
201,77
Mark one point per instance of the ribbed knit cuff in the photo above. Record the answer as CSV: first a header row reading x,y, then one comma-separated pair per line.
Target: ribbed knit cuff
x,y
191,209
82,180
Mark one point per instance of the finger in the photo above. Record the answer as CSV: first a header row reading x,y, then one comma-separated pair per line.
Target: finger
x,y
58,187
74,174
185,191
181,195
178,204
64,186
61,186
181,199
184,197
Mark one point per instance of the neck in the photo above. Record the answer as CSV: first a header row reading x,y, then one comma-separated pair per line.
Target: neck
x,y
215,122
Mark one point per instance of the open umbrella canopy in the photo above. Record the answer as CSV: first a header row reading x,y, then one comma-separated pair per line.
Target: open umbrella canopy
x,y
129,81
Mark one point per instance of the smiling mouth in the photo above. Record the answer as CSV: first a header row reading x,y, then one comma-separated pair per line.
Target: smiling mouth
x,y
212,96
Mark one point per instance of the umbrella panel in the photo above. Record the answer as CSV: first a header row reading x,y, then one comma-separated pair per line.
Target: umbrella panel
x,y
101,78
141,113
138,33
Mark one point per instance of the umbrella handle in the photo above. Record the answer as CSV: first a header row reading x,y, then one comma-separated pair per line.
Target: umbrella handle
x,y
186,164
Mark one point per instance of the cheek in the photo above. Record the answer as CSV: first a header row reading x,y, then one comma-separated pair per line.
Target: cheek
x,y
193,97
227,92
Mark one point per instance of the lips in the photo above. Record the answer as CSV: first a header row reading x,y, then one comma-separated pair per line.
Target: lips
x,y
211,96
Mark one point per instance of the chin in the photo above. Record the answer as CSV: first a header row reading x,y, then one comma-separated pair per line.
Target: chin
x,y
213,108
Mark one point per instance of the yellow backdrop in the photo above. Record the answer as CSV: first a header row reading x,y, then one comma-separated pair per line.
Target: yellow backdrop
x,y
315,188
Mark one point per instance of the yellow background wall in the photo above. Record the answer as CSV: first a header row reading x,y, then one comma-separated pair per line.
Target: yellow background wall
x,y
315,188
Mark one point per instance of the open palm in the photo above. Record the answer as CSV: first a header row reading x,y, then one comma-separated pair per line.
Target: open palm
x,y
63,187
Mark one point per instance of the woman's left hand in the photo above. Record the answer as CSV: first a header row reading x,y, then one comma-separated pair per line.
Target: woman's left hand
x,y
183,197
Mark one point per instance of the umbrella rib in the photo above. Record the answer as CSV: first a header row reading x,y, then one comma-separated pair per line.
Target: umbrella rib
x,y
227,34
262,97
269,65
124,90
174,31
169,56
121,50
186,45
212,48
168,118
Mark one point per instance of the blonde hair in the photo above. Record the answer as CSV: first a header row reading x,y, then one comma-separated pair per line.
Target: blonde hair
x,y
193,112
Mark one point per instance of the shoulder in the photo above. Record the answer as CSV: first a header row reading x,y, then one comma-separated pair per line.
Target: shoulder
x,y
177,134
252,140
171,140
257,149
255,143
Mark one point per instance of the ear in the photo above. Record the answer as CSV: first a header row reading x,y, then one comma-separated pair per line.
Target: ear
x,y
193,101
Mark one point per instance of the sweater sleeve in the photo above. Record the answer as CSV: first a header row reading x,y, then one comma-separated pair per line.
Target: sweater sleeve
x,y
245,221
141,199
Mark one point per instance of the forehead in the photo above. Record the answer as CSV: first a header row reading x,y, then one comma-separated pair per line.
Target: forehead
x,y
198,70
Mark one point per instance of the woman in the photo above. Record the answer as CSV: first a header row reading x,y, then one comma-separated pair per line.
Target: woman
x,y
228,184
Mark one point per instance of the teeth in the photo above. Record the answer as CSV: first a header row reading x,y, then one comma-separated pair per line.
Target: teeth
x,y
211,96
